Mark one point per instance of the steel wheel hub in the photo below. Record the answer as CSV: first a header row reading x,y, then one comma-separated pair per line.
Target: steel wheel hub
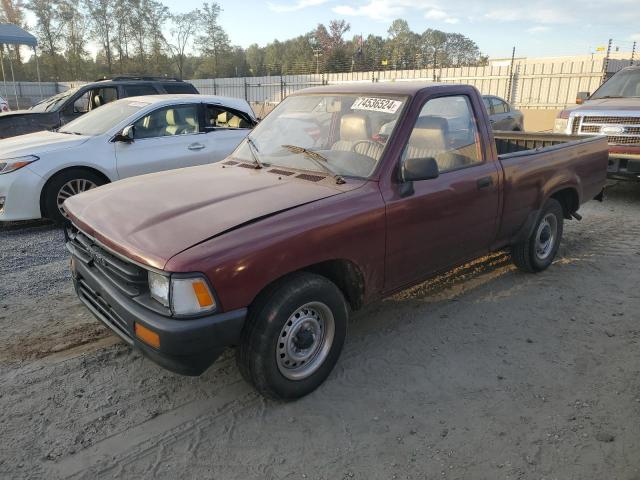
x,y
305,341
71,188
546,235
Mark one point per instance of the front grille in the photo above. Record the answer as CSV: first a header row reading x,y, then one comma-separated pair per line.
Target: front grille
x,y
129,278
102,309
611,120
594,124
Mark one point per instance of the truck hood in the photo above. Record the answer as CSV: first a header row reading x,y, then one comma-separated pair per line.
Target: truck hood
x,y
151,218
612,104
38,143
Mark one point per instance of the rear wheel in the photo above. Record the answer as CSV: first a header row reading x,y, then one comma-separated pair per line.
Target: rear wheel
x,y
539,250
65,185
293,336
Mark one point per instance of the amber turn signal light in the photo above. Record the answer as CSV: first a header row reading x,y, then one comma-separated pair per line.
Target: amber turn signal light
x,y
149,337
202,294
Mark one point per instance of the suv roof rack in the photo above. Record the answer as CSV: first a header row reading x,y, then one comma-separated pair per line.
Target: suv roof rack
x,y
139,78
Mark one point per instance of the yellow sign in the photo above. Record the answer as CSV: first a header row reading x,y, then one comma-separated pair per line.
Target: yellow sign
x,y
384,62
601,49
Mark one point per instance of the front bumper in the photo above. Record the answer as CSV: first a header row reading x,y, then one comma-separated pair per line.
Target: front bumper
x,y
21,192
623,165
187,347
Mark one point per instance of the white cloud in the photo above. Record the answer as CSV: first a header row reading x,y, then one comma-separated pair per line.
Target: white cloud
x,y
538,29
440,16
292,7
377,9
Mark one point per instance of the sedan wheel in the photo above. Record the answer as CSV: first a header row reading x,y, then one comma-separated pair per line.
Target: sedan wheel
x,y
71,188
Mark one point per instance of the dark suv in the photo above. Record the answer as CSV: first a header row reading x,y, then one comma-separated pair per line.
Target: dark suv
x,y
55,111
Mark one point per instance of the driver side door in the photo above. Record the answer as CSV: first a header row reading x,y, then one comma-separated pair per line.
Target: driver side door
x,y
435,224
163,139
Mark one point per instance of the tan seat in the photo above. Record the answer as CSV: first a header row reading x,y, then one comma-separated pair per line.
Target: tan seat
x,y
222,120
430,138
355,135
172,127
180,124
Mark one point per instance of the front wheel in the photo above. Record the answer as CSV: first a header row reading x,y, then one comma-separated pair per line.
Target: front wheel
x,y
293,336
538,251
64,185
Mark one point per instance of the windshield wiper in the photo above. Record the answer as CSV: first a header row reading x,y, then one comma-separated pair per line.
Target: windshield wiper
x,y
255,153
318,159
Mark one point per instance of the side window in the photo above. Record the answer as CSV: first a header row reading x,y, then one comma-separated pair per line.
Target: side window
x,y
102,96
487,104
179,88
219,117
446,131
139,90
81,104
499,106
168,121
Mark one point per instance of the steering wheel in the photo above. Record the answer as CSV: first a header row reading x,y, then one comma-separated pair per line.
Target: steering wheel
x,y
369,142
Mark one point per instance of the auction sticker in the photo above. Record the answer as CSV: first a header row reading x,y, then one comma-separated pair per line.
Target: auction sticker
x,y
373,104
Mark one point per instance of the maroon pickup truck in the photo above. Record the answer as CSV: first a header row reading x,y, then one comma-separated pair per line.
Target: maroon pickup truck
x,y
342,195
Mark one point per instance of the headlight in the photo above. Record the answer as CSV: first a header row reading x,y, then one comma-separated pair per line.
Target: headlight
x,y
11,164
560,125
159,288
183,295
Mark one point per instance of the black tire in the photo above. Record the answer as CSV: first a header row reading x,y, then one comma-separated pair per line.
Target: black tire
x,y
267,320
528,255
57,182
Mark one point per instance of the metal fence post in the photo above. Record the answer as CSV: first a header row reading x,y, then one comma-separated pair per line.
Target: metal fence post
x,y
281,88
246,92
605,67
510,80
215,90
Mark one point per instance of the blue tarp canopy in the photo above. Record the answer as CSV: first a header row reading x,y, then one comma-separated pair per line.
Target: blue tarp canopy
x,y
11,34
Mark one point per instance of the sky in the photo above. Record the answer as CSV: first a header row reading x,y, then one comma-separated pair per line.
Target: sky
x,y
534,27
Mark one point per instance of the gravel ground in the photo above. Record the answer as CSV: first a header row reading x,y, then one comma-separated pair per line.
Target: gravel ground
x,y
484,372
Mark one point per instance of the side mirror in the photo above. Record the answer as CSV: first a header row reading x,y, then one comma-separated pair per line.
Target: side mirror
x,y
582,97
126,135
416,169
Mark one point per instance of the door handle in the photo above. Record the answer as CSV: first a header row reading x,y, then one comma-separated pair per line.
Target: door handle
x,y
485,182
196,146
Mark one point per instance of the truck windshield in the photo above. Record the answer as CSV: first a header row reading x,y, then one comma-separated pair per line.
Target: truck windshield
x,y
350,132
625,83
102,119
54,103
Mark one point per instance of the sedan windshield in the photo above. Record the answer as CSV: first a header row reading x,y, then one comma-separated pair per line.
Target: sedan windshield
x,y
102,119
54,103
623,84
347,132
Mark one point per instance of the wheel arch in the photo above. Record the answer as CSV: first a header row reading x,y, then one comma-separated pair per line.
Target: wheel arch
x,y
85,168
568,198
344,273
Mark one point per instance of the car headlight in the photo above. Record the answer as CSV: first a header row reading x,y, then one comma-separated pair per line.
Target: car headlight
x,y
12,164
184,295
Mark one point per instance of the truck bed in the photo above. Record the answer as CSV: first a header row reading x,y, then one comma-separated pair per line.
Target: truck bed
x,y
510,144
532,160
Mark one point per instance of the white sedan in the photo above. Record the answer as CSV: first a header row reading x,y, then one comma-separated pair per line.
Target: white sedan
x,y
4,105
132,136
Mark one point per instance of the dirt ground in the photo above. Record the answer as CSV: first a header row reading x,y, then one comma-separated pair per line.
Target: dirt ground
x,y
483,373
